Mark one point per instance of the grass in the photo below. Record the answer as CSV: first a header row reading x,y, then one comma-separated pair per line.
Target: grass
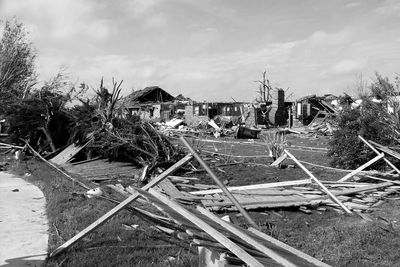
x,y
339,240
114,243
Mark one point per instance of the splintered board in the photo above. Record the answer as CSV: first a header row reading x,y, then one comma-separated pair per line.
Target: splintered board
x,y
102,169
68,153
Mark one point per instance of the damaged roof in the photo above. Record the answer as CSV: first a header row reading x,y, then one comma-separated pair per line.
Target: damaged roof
x,y
150,94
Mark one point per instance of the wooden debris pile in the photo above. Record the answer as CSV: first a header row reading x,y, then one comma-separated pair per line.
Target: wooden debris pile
x,y
233,245
216,128
101,170
325,128
322,128
302,194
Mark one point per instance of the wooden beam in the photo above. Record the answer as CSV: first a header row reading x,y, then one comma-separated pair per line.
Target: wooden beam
x,y
381,179
219,183
255,186
362,167
284,246
386,149
55,167
332,196
13,146
377,152
279,160
363,188
260,247
222,239
119,207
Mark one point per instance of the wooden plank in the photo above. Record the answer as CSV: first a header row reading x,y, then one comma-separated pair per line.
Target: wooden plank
x,y
256,186
218,182
332,196
170,189
68,153
363,189
251,202
180,178
344,184
267,251
381,179
86,161
284,246
362,167
377,152
279,160
119,207
13,146
58,169
386,149
195,231
222,239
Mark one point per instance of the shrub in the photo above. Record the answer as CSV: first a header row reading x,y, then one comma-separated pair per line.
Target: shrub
x,y
373,120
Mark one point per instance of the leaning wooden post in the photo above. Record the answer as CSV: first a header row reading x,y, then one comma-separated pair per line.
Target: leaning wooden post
x,y
119,207
377,152
245,237
362,167
211,231
219,183
332,196
55,167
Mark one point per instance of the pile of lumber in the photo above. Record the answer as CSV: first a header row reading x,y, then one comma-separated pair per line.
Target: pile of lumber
x,y
321,128
235,246
303,194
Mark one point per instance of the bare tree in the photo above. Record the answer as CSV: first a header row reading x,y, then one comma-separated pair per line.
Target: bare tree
x,y
265,89
107,101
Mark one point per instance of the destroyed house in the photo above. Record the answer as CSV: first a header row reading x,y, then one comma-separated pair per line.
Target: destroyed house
x,y
209,110
150,103
277,113
311,107
271,113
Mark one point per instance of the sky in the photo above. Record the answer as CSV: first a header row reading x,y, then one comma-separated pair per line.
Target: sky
x,y
214,50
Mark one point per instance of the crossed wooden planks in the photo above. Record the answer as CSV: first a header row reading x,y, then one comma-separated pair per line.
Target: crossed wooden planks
x,y
103,219
251,246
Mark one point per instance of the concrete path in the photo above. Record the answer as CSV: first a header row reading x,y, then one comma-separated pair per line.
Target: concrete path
x,y
23,223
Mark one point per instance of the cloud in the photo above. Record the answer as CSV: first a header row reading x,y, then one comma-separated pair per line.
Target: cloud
x,y
140,8
60,19
203,38
388,8
100,29
324,38
158,21
352,4
347,66
212,49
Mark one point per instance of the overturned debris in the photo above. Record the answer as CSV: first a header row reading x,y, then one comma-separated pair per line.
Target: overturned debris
x,y
204,229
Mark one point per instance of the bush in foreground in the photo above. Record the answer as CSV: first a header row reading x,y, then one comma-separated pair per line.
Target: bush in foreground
x,y
376,119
